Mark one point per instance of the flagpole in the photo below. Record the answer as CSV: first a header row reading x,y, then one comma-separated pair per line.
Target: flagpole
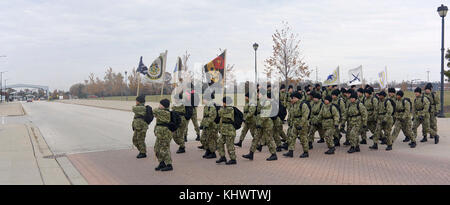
x,y
139,82
362,77
164,74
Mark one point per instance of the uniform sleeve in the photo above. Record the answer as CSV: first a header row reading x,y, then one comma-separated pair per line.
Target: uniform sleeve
x,y
375,108
364,115
305,114
437,101
407,109
426,106
389,110
343,112
335,113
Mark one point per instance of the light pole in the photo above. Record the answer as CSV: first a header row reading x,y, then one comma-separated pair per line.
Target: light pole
x,y
1,85
126,86
442,10
255,46
6,91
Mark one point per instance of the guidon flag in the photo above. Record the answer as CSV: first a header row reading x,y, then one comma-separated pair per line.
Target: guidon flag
x,y
215,70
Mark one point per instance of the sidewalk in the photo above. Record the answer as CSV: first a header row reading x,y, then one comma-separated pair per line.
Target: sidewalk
x,y
11,109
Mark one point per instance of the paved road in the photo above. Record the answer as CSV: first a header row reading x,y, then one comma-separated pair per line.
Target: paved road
x,y
69,128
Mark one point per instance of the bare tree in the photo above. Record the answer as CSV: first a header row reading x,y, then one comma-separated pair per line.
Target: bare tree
x,y
286,58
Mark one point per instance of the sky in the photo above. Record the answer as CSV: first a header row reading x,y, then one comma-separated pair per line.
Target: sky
x,y
59,42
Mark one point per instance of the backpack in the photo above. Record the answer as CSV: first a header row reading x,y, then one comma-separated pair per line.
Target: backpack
x,y
282,112
410,104
309,107
429,107
217,120
148,118
238,118
392,103
189,112
338,109
175,121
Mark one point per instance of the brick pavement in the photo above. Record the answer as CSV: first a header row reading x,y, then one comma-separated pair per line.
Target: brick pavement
x,y
398,167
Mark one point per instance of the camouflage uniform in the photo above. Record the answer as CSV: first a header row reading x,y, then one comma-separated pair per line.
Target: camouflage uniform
x,y
265,132
249,118
208,137
326,92
421,115
299,117
163,135
371,104
178,137
435,109
384,115
278,132
227,132
402,122
356,119
329,120
139,127
194,121
341,104
316,124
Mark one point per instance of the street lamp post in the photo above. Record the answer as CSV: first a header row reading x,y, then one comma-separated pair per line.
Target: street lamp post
x,y
6,91
126,86
1,85
442,10
255,46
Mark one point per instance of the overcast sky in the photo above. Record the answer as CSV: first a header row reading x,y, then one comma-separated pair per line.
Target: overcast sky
x,y
59,42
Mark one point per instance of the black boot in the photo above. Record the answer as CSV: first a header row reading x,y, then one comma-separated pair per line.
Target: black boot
x,y
285,146
337,142
279,149
221,159
141,155
198,138
181,150
389,148
406,139
424,139
206,153
239,144
351,150
185,138
248,156
374,146
167,168
436,139
321,140
259,148
330,150
357,148
160,166
346,143
304,155
310,145
364,141
232,161
412,144
290,153
201,147
383,141
272,157
212,155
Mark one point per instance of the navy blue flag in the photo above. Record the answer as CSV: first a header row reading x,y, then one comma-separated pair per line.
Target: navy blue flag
x,y
142,68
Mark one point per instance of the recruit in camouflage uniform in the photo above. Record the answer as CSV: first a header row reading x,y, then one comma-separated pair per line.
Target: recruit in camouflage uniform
x,y
403,122
316,125
227,133
435,109
139,127
356,120
341,104
208,137
299,125
385,119
249,120
371,104
163,136
264,124
194,121
329,116
421,114
178,136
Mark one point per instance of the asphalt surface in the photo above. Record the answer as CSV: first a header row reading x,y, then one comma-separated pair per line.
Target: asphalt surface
x,y
69,128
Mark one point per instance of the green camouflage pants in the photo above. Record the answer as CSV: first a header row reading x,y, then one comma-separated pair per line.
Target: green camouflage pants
x,y
403,125
312,131
278,132
425,125
433,124
245,129
194,121
371,126
383,130
209,139
264,136
139,140
229,141
303,134
353,132
328,133
179,133
162,144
